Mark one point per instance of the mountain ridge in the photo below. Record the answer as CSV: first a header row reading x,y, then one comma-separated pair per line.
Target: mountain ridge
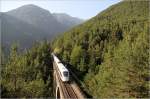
x,y
31,22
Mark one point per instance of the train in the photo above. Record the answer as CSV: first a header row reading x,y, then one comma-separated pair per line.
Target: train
x,y
62,70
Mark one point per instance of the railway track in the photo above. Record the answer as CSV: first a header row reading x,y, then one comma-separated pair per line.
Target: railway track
x,y
67,89
70,91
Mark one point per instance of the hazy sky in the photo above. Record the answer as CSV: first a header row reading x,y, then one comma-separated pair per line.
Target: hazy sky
x,y
84,9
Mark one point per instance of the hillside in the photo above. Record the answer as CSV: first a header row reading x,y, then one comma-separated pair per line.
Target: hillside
x,y
109,53
31,23
68,20
27,75
21,32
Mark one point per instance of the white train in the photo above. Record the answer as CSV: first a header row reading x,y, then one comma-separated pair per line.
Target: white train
x,y
63,71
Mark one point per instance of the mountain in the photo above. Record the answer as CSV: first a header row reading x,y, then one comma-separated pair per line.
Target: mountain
x,y
14,29
109,53
31,23
68,20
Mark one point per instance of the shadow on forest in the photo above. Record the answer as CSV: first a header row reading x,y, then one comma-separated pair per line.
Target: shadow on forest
x,y
80,76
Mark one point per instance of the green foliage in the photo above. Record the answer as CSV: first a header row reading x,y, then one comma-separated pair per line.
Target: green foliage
x,y
75,54
34,89
28,75
111,51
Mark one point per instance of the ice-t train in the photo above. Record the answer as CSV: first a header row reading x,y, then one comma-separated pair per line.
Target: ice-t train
x,y
62,70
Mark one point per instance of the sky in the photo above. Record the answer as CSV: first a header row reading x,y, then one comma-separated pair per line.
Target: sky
x,y
83,9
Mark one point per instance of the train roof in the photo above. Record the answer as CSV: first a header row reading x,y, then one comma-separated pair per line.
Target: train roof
x,y
56,59
62,67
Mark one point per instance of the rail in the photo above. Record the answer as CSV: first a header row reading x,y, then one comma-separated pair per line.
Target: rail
x,y
67,89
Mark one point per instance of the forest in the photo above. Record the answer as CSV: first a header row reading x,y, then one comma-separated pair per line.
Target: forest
x,y
109,53
27,74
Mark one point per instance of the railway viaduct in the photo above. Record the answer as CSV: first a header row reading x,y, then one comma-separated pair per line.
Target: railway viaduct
x,y
65,90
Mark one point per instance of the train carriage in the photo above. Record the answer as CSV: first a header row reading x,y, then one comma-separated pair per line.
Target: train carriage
x,y
63,71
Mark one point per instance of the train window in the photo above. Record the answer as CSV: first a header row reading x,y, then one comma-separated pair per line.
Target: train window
x,y
65,74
